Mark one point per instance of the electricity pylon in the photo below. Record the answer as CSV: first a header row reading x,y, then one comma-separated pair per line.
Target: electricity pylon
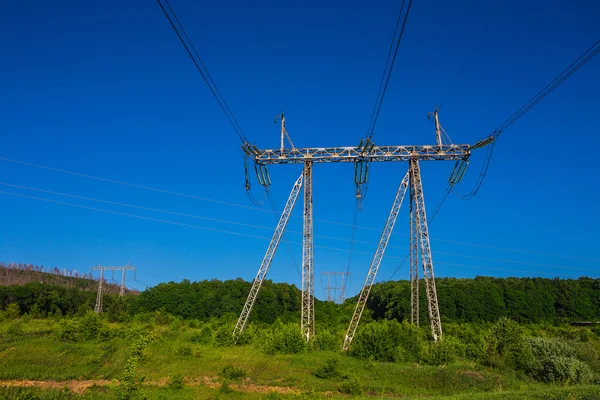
x,y
266,263
361,155
385,236
341,288
128,267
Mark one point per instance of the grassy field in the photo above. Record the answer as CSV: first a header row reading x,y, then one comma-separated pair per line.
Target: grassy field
x,y
39,360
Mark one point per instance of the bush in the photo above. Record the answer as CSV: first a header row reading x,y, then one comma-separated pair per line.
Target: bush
x,y
285,339
327,371
232,372
90,325
176,381
223,336
67,330
14,331
505,344
555,361
379,341
162,317
12,311
204,336
185,350
327,341
351,386
444,352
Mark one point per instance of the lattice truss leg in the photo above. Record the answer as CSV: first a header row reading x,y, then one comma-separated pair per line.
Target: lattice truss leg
x,y
266,263
98,306
423,233
414,261
385,235
308,277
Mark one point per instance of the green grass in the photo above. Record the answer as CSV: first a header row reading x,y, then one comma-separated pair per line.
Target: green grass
x,y
38,354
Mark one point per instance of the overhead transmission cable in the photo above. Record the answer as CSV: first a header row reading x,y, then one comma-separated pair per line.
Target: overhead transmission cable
x,y
145,208
389,65
545,91
461,70
191,50
243,234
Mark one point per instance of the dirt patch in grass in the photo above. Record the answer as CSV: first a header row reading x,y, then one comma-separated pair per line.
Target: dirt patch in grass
x,y
74,386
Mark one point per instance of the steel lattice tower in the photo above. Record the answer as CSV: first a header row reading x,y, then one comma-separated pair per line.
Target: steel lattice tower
x,y
128,267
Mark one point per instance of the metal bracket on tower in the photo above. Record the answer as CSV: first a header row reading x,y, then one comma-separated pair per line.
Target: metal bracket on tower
x,y
308,313
423,233
385,236
266,263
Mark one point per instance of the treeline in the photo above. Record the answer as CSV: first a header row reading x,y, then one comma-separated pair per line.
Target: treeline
x,y
525,300
21,274
482,299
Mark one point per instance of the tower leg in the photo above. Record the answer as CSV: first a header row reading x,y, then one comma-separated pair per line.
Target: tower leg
x,y
383,241
98,307
122,291
308,318
266,263
423,233
414,261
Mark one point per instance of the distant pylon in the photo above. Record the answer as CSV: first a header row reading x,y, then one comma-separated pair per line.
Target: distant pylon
x,y
338,289
128,267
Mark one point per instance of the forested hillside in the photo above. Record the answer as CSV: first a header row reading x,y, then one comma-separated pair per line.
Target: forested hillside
x,y
482,299
21,274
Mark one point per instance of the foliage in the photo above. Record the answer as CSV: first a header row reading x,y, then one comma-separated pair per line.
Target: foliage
x,y
555,361
130,383
444,352
379,341
184,350
176,381
232,372
327,371
67,330
350,386
505,344
15,330
285,339
12,311
204,336
90,325
327,341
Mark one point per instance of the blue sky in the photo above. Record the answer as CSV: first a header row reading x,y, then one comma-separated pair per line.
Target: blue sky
x,y
106,89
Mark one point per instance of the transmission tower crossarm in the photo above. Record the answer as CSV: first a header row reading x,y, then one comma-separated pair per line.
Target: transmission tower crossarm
x,y
354,153
266,263
385,236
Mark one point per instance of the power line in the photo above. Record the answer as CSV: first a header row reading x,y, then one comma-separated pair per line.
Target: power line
x,y
289,231
546,90
460,71
267,238
387,71
202,69
566,73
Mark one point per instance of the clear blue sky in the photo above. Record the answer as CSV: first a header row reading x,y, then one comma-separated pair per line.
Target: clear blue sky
x,y
105,88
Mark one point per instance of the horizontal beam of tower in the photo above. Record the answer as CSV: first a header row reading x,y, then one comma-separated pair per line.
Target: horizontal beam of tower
x,y
353,154
126,268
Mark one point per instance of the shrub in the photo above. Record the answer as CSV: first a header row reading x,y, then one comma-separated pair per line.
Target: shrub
x,y
379,341
12,311
90,325
14,331
327,341
555,361
162,317
176,381
285,339
204,336
184,350
223,336
505,344
232,372
351,386
327,371
67,330
444,351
